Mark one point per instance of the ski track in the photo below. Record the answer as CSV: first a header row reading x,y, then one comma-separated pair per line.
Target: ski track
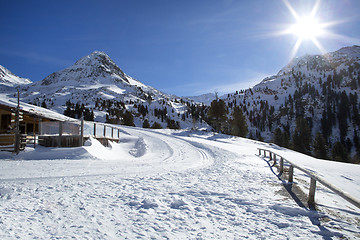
x,y
182,187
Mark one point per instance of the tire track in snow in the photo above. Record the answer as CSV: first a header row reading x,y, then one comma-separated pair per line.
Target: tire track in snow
x,y
180,154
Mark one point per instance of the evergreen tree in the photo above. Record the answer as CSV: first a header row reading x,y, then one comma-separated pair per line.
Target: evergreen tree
x,y
302,136
171,124
320,147
285,139
68,112
278,137
238,123
43,104
339,153
146,124
156,125
217,115
128,119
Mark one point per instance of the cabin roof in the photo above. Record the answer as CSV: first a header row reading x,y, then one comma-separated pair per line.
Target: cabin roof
x,y
9,103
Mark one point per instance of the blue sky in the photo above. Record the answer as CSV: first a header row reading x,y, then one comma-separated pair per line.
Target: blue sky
x,y
180,47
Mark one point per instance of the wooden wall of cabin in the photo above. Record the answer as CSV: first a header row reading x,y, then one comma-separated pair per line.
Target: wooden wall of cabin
x,y
29,125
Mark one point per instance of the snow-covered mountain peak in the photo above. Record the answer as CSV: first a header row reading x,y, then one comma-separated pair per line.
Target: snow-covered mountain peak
x,y
9,79
298,63
95,58
351,53
326,61
93,69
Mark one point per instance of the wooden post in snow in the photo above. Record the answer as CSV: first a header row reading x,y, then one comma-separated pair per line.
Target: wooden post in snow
x,y
82,132
311,198
94,130
291,173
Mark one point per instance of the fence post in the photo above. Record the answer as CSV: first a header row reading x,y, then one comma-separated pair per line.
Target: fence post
x,y
118,133
291,173
311,199
94,130
270,155
60,132
112,132
82,132
40,127
259,152
104,131
281,165
264,153
274,160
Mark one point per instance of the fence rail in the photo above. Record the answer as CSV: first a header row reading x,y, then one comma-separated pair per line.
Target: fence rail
x,y
313,179
72,134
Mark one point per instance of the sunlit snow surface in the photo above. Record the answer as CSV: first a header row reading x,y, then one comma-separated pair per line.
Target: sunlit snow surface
x,y
164,185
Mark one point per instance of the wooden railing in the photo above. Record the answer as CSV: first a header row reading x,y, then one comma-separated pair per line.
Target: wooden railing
x,y
314,178
54,135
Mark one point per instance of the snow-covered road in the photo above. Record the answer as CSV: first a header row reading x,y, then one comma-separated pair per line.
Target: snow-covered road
x,y
153,185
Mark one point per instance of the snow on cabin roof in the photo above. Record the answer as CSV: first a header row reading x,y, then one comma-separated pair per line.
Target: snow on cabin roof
x,y
34,110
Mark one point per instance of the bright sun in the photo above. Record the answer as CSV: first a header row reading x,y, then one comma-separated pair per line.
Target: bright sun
x,y
307,28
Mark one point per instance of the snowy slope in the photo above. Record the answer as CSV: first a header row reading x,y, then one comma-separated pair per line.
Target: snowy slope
x,y
91,77
9,79
164,185
204,98
309,87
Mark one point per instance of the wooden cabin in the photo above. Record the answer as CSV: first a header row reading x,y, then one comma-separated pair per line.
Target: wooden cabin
x,y
33,117
29,124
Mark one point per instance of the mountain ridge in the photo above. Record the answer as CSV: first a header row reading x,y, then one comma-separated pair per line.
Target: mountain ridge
x,y
8,79
96,83
322,89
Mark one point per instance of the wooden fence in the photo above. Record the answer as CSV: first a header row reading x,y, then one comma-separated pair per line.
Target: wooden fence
x,y
313,178
73,134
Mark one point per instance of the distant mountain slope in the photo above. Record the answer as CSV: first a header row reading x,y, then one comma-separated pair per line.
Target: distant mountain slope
x,y
204,98
322,89
9,79
97,85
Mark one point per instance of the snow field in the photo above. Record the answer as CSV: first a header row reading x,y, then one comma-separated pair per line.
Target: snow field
x,y
154,184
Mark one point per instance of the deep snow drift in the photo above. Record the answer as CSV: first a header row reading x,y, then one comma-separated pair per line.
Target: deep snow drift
x,y
166,185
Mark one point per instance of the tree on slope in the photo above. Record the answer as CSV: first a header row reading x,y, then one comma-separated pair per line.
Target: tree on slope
x,y
238,123
146,124
128,119
339,153
319,147
217,115
278,137
302,136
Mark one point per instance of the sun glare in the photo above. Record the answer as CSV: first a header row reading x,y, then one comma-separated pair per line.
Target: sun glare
x,y
307,28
